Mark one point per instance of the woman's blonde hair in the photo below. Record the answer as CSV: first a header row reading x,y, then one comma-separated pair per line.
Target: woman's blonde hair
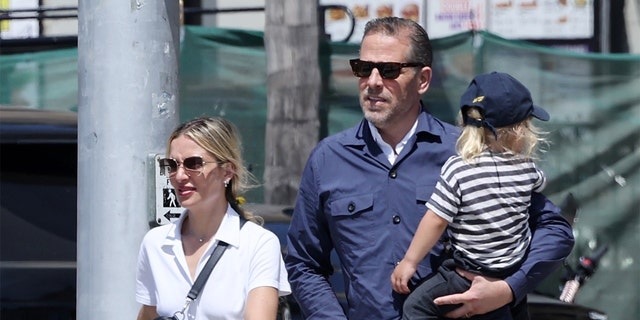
x,y
222,140
522,138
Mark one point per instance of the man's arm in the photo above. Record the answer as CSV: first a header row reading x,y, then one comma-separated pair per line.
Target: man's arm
x,y
308,259
551,242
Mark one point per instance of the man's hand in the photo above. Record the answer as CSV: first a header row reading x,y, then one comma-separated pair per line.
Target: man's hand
x,y
485,295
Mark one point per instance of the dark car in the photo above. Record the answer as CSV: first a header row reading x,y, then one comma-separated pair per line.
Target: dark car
x,y
38,214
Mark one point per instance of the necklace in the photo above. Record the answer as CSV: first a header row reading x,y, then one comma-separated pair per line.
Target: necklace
x,y
199,239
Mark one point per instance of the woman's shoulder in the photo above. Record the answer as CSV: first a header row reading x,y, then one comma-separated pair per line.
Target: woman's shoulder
x,y
158,234
256,228
257,233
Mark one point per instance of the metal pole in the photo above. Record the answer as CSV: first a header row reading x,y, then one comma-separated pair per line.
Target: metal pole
x,y
128,104
605,26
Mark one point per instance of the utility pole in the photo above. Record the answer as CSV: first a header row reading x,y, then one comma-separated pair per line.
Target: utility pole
x,y
293,95
128,104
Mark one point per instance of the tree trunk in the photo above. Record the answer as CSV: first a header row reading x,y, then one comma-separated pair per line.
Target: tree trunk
x,y
293,95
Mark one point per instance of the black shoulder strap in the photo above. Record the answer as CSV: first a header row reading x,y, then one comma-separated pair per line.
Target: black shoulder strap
x,y
208,267
202,277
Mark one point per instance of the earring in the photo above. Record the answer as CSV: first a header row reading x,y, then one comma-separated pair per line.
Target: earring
x,y
226,183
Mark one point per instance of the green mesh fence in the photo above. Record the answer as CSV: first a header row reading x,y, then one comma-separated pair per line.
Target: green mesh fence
x,y
44,80
593,99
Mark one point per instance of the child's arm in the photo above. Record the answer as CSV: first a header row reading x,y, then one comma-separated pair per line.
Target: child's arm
x,y
429,231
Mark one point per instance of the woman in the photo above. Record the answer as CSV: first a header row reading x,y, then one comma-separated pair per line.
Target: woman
x,y
204,165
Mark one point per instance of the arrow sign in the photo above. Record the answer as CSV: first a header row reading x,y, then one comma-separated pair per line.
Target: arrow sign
x,y
169,215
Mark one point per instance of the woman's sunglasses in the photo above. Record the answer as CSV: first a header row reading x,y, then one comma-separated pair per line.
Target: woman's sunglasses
x,y
388,70
169,166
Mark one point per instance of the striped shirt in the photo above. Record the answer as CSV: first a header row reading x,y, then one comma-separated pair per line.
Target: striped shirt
x,y
486,204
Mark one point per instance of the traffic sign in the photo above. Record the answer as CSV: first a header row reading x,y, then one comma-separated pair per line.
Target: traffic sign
x,y
167,206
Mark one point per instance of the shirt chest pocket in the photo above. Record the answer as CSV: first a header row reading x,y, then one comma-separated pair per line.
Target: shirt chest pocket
x,y
354,223
353,205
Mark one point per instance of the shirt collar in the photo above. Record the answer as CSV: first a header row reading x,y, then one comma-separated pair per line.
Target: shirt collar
x,y
389,151
426,124
229,230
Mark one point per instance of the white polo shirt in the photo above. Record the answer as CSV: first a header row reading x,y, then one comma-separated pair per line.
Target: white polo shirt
x,y
253,259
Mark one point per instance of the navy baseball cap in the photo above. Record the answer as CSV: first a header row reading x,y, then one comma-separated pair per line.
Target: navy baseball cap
x,y
502,99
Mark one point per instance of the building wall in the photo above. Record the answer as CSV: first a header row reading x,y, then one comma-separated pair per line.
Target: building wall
x,y
239,20
60,27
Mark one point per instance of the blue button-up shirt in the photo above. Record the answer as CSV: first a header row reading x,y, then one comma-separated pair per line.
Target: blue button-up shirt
x,y
353,201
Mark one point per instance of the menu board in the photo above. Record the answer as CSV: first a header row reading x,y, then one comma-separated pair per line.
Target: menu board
x,y
511,19
448,17
338,23
541,19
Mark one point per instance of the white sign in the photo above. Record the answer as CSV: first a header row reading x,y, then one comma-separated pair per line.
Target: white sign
x,y
446,18
511,19
541,19
338,24
166,200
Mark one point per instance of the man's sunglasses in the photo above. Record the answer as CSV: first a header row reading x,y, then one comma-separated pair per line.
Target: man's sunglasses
x,y
388,70
169,166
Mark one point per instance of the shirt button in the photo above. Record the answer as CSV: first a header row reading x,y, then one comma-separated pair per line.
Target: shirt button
x,y
396,219
351,207
393,174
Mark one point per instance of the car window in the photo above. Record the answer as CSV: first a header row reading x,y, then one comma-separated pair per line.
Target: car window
x,y
38,229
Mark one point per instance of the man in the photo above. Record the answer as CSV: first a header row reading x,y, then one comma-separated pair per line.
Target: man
x,y
363,194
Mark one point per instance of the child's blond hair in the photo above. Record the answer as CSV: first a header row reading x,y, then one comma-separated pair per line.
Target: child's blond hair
x,y
522,138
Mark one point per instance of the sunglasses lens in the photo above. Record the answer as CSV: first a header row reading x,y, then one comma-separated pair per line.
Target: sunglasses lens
x,y
365,69
168,166
389,70
193,163
361,68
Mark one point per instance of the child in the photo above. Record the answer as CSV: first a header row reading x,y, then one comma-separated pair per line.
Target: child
x,y
483,196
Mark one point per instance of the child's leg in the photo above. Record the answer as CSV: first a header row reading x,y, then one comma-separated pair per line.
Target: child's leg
x,y
419,304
